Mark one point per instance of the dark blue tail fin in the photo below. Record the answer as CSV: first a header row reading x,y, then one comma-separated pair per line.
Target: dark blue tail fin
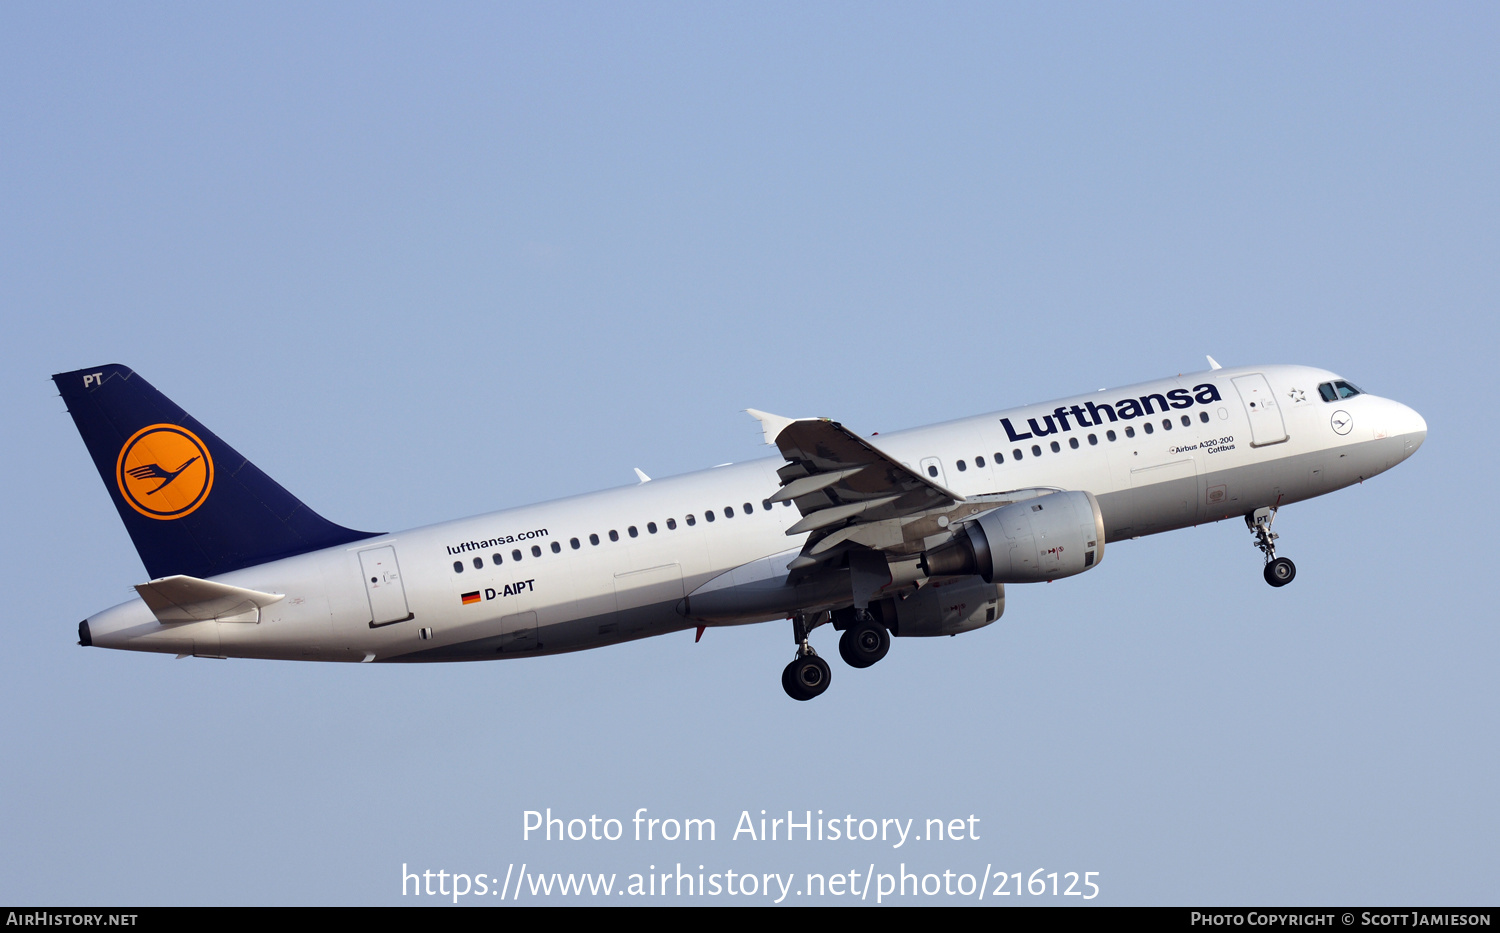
x,y
191,503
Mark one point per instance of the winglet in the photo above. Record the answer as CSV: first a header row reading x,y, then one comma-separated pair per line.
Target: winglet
x,y
771,425
1213,363
643,477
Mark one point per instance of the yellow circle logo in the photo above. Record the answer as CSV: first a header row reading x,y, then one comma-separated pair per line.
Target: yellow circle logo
x,y
164,471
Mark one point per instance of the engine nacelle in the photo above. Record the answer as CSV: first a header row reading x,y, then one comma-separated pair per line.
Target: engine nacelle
x,y
1046,538
943,607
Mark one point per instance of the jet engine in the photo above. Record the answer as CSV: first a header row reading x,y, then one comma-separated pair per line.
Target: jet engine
x,y
1030,541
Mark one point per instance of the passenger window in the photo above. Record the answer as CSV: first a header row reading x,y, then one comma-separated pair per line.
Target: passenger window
x,y
458,566
979,462
574,542
1073,442
1130,431
749,508
515,555
614,535
632,532
1203,417
962,466
1186,421
932,470
1036,451
1147,426
536,551
1016,454
729,511
651,527
691,520
1055,448
556,548
593,539
709,515
1093,440
1166,424
479,563
765,504
496,559
671,524
1110,435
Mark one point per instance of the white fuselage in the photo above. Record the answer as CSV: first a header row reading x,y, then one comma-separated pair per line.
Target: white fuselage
x,y
401,597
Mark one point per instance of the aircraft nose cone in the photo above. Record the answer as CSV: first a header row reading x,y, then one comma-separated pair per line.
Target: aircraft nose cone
x,y
1411,427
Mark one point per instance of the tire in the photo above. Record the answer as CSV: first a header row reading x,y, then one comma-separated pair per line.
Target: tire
x,y
1280,572
806,678
864,643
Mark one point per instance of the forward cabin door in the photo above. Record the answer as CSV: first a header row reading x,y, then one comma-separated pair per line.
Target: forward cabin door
x,y
1266,426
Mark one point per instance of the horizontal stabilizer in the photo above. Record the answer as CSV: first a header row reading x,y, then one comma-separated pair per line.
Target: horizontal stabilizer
x,y
189,599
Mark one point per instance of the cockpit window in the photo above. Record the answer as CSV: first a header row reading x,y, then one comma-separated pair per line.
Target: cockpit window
x,y
1333,391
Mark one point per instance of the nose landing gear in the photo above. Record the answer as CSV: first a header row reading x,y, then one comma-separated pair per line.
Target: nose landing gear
x,y
1279,570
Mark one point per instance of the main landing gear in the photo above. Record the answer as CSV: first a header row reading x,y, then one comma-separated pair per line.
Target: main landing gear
x,y
808,675
1279,570
864,642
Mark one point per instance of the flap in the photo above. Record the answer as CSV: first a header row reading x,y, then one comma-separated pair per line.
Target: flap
x,y
849,491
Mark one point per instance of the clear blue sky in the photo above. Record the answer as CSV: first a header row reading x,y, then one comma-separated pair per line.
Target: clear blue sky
x,y
421,261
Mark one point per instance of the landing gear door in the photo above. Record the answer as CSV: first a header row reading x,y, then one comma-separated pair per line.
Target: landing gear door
x,y
383,586
1266,426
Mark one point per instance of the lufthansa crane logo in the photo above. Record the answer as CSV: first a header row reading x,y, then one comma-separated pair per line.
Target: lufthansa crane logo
x,y
164,471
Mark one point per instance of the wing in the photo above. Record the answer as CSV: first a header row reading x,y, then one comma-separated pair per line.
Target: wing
x,y
853,495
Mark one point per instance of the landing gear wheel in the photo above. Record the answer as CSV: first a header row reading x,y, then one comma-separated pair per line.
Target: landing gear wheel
x,y
864,643
806,677
1280,572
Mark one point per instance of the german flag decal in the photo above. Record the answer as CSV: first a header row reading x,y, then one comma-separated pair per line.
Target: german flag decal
x,y
471,597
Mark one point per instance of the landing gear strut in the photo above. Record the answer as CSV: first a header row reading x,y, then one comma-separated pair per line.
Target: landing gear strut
x,y
865,641
1279,570
808,675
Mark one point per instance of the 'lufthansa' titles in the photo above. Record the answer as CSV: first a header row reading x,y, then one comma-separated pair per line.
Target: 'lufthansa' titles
x,y
1092,414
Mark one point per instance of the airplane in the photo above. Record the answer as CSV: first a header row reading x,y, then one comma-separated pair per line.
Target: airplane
x,y
907,534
